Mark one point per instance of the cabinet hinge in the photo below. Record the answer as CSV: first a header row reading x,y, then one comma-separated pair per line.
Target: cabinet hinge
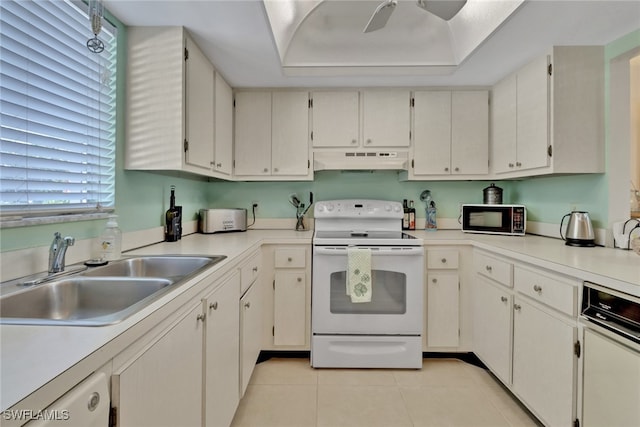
x,y
312,135
576,423
273,331
550,151
310,102
186,145
577,350
412,102
308,164
550,69
234,103
413,164
274,284
186,53
113,416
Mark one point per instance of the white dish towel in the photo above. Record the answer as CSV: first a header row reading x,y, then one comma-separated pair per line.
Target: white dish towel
x,y
359,283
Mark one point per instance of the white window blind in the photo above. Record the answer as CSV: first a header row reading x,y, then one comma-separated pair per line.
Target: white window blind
x,y
57,110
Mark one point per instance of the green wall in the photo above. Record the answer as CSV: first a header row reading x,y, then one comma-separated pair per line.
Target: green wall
x,y
142,197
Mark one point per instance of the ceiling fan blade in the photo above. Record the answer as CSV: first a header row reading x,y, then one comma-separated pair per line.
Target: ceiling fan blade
x,y
444,9
380,16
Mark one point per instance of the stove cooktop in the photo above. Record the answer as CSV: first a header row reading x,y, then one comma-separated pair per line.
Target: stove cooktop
x,y
357,237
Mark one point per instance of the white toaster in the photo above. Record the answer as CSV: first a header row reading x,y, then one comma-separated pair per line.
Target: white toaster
x,y
219,220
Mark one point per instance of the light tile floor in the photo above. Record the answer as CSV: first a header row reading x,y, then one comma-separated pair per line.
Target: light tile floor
x,y
446,392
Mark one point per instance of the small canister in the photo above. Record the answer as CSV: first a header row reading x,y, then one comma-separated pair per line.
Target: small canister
x,y
492,195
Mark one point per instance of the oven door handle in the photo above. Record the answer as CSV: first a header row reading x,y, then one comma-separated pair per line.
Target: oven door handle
x,y
389,250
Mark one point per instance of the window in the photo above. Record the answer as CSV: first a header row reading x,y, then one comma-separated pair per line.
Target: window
x,y
57,110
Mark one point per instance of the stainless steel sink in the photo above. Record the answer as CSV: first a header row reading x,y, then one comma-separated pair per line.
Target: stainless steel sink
x,y
168,267
98,296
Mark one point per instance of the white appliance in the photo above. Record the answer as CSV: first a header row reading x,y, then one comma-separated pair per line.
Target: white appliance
x,y
611,382
387,331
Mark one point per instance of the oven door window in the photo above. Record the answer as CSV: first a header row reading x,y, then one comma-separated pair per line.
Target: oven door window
x,y
388,296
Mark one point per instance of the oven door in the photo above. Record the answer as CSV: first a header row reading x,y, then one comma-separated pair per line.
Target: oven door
x,y
397,293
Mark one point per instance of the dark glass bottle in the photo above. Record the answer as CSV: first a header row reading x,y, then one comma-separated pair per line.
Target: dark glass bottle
x,y
405,218
412,216
172,218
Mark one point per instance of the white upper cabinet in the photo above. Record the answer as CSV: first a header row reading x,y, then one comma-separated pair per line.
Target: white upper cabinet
x,y
223,148
335,119
272,136
548,117
172,118
386,118
450,134
361,119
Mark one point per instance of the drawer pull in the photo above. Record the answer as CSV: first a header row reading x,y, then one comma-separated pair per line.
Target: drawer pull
x,y
488,268
443,260
255,269
289,259
504,299
213,305
434,280
299,279
517,307
201,317
537,288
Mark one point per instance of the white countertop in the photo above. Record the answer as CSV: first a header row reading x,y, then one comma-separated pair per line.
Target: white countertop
x,y
56,358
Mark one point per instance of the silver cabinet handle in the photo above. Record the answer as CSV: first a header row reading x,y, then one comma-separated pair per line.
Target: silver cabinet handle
x,y
504,299
434,280
488,268
457,169
94,400
353,141
299,279
446,169
247,304
265,170
517,307
443,260
289,259
537,288
213,305
201,317
369,141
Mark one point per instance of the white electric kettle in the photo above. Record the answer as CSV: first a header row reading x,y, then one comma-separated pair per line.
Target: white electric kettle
x,y
579,230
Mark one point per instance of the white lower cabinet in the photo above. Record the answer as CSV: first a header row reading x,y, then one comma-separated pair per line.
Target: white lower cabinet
x,y
289,309
188,374
544,362
492,312
222,353
250,333
163,385
443,298
526,334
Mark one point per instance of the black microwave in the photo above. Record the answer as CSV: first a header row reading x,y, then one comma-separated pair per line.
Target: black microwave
x,y
494,219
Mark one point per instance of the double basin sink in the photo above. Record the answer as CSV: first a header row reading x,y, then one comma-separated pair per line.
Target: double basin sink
x,y
97,296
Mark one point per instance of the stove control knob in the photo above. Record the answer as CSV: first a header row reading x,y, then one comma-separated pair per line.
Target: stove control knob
x,y
387,208
320,207
397,208
329,207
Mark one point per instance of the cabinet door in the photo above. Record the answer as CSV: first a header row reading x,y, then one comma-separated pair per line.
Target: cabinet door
x,y
443,295
503,125
386,118
470,132
492,327
250,333
199,109
335,117
532,109
290,133
544,363
163,387
223,154
290,308
222,353
252,133
432,133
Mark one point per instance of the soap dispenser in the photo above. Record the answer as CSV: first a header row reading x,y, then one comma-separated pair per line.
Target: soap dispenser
x,y
110,241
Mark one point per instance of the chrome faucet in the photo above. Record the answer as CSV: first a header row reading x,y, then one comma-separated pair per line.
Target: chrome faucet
x,y
57,252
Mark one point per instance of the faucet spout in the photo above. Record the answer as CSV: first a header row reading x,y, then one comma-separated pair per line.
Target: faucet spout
x,y
57,252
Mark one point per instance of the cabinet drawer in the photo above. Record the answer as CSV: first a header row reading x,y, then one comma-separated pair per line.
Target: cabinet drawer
x,y
290,257
554,291
249,272
442,259
497,269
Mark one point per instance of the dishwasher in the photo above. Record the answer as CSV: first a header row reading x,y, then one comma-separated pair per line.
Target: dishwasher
x,y
611,370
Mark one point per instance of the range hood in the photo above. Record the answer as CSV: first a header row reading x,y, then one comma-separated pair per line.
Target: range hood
x,y
360,160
